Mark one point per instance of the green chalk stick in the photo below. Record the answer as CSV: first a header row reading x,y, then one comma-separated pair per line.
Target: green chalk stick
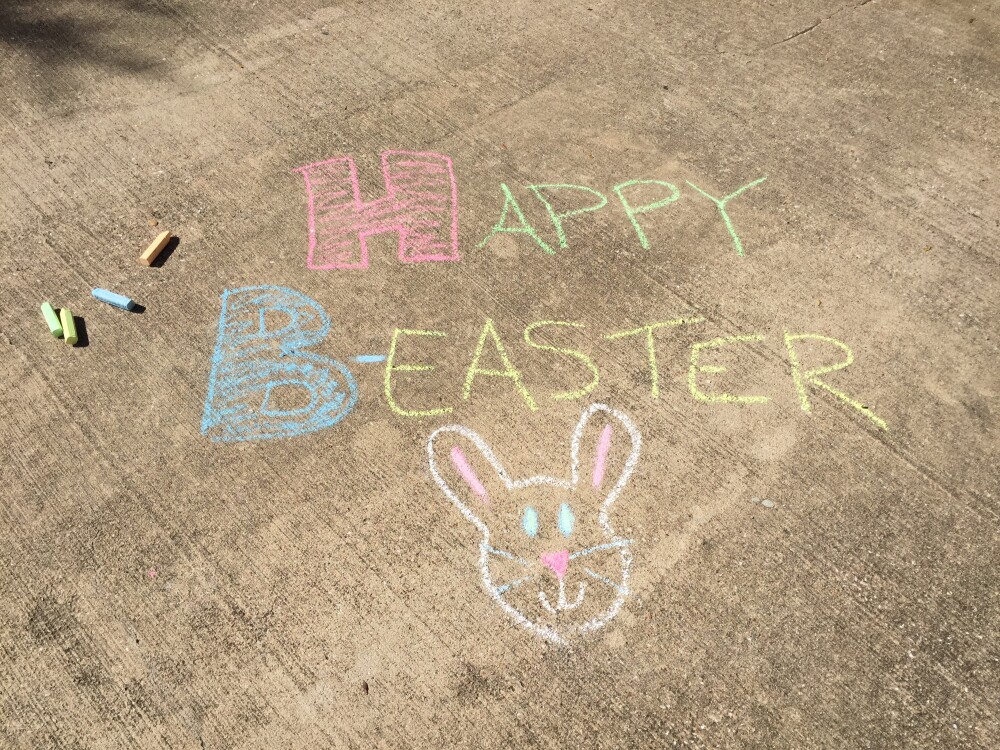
x,y
51,319
68,326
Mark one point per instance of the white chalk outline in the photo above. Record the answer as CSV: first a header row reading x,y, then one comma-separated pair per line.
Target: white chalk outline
x,y
561,604
485,549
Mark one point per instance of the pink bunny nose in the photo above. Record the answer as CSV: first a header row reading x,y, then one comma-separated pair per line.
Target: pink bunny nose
x,y
557,562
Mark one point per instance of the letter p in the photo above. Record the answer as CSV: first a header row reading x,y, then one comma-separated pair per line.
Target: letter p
x,y
420,204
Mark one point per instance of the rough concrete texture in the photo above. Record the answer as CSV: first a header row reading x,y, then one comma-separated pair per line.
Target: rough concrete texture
x,y
163,590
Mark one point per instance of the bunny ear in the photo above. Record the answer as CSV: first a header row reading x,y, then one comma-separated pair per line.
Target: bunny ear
x,y
467,471
604,453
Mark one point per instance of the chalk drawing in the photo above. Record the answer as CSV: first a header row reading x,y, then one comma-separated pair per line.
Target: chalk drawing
x,y
601,462
510,202
524,544
633,211
252,361
468,474
391,367
263,385
695,368
654,373
557,217
574,353
529,522
721,204
420,204
567,519
509,370
812,376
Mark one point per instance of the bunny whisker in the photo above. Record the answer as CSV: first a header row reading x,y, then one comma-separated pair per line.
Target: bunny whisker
x,y
620,589
512,584
508,555
600,547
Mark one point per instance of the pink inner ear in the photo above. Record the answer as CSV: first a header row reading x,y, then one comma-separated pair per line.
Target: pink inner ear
x,y
601,462
468,474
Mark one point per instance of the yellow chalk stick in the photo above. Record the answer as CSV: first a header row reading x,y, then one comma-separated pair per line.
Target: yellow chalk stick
x,y
68,326
155,249
51,319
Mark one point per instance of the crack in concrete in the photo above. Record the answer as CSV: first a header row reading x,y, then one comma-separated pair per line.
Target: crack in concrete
x,y
806,30
813,26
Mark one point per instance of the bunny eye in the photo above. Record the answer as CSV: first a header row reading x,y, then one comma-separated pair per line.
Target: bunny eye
x,y
529,521
566,519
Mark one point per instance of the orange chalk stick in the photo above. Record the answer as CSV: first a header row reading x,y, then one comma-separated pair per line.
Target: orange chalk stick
x,y
155,249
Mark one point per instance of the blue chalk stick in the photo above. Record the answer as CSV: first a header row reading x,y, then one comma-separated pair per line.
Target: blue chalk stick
x,y
117,300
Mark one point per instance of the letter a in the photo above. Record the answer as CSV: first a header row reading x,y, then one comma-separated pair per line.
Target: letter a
x,y
251,361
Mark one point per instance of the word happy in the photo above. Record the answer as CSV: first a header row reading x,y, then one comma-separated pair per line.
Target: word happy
x,y
420,206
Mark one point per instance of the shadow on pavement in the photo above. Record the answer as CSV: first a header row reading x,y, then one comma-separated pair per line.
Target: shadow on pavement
x,y
60,34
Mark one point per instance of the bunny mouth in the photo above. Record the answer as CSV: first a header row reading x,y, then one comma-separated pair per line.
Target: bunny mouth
x,y
562,605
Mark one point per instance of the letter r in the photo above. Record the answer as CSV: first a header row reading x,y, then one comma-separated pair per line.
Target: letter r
x,y
251,361
420,204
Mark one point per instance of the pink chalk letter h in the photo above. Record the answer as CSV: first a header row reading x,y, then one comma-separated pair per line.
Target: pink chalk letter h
x,y
420,204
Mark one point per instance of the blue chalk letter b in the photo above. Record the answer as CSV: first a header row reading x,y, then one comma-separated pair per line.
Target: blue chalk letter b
x,y
258,357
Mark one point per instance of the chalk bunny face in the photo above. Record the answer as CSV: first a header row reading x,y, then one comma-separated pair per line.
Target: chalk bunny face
x,y
548,554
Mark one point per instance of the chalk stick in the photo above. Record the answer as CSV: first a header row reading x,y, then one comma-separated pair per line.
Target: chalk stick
x,y
115,300
155,249
51,319
68,326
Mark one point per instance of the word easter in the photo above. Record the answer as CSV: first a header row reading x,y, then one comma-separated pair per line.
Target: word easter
x,y
421,206
253,361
